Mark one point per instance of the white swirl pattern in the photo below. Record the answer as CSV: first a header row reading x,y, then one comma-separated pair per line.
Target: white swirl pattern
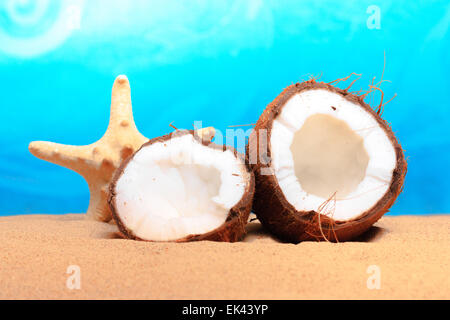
x,y
43,25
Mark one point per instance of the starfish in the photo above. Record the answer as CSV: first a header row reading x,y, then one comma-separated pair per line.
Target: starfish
x,y
97,162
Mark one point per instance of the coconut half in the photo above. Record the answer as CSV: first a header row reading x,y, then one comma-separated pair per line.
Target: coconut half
x,y
333,167
180,188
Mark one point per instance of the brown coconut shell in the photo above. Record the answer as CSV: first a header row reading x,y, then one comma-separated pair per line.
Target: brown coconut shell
x,y
232,230
270,204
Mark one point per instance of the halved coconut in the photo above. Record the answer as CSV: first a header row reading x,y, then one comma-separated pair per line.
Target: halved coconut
x,y
333,167
180,188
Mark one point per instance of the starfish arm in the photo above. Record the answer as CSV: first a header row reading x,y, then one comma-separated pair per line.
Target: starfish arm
x,y
75,158
206,134
121,115
98,203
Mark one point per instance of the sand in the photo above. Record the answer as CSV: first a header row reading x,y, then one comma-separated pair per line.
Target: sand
x,y
411,252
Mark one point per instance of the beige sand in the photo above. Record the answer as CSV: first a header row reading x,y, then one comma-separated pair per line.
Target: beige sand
x,y
413,254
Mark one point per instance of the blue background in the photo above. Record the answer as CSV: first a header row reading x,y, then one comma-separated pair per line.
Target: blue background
x,y
220,62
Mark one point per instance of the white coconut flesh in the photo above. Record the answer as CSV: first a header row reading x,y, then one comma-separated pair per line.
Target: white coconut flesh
x,y
325,147
179,187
